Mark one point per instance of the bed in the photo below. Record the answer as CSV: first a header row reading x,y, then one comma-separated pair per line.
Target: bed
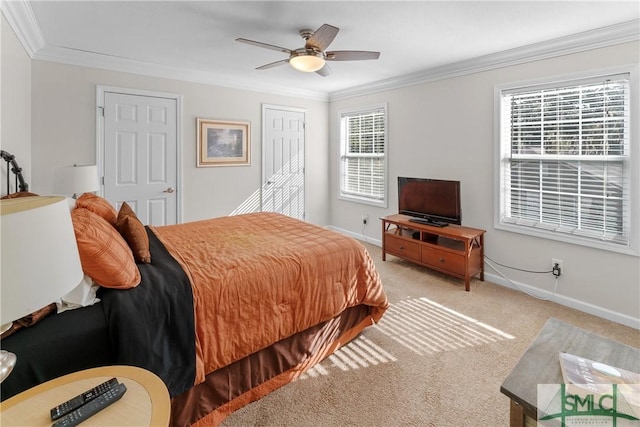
x,y
225,311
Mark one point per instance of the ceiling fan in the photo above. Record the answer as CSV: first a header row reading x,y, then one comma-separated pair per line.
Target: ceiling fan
x,y
312,56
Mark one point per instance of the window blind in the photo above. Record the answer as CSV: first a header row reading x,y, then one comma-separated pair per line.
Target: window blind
x,y
363,154
565,158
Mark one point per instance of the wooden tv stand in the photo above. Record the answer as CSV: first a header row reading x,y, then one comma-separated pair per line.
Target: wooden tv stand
x,y
454,250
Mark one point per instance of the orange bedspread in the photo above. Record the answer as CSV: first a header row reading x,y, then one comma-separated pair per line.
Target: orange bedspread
x,y
261,277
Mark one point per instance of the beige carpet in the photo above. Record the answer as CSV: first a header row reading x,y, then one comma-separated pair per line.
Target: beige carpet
x,y
437,357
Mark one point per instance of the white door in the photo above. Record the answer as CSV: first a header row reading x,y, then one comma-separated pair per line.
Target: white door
x,y
283,160
140,152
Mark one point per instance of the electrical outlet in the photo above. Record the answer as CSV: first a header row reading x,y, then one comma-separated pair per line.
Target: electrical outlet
x,y
365,218
557,267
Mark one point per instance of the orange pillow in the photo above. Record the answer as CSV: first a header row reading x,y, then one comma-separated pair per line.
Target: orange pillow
x,y
134,233
104,255
99,206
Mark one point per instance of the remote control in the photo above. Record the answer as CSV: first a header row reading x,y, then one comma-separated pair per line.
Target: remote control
x,y
91,408
72,404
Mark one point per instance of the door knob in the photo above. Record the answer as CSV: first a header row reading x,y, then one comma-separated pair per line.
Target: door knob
x,y
169,190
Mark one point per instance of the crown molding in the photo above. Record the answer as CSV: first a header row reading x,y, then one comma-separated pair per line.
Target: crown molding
x,y
588,40
20,18
22,21
114,63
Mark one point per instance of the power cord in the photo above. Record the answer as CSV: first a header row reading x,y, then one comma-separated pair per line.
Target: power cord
x,y
519,269
364,225
490,262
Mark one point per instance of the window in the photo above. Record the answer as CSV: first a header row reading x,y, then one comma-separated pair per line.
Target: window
x,y
565,165
363,141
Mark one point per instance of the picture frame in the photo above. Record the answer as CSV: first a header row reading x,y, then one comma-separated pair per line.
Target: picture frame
x,y
223,143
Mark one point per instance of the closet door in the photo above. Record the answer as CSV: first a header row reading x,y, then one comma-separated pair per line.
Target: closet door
x,y
141,155
283,160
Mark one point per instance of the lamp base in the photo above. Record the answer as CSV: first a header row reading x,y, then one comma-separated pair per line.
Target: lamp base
x,y
7,362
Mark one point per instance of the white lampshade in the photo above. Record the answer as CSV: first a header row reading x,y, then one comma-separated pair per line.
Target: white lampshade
x,y
76,179
307,63
39,259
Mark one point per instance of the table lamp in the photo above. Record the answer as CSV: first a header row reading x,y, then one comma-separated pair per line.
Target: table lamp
x,y
76,180
39,259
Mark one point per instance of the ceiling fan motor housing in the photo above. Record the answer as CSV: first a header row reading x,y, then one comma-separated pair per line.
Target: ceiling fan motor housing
x,y
307,52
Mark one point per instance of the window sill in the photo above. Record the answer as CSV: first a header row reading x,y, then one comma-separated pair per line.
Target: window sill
x,y
575,240
363,200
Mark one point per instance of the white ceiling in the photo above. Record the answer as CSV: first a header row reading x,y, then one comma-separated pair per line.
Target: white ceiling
x,y
196,40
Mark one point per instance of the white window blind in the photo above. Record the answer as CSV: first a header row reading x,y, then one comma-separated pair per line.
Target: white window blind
x,y
363,146
565,164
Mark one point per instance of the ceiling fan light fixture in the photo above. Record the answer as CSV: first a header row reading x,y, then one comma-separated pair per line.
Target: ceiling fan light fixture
x,y
312,57
307,62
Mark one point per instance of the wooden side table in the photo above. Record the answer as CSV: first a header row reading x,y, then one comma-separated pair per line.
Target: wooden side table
x,y
146,402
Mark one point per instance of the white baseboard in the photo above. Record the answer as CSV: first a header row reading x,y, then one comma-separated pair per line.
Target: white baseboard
x,y
361,237
586,307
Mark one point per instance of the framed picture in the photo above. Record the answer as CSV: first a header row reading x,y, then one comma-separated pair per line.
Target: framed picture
x,y
223,143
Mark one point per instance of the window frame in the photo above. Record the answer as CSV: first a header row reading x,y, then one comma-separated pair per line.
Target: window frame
x,y
633,160
342,153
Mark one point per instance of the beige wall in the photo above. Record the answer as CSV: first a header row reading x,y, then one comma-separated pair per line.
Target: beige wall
x,y
64,122
15,90
444,129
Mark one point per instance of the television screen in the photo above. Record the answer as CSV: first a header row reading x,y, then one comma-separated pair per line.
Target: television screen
x,y
433,199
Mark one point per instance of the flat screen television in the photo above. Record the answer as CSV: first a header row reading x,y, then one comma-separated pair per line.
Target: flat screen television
x,y
430,199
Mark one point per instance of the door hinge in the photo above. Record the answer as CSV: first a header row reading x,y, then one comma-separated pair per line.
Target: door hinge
x,y
101,111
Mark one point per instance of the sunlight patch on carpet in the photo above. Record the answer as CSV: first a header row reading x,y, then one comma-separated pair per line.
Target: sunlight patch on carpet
x,y
359,353
426,327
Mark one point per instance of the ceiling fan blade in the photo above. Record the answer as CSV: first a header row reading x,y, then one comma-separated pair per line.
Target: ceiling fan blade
x,y
264,45
273,64
351,55
322,37
324,71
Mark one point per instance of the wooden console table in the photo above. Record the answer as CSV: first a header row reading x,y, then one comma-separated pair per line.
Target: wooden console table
x,y
540,364
454,250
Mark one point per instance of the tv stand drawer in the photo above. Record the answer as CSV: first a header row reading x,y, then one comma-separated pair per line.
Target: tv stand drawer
x,y
444,260
403,248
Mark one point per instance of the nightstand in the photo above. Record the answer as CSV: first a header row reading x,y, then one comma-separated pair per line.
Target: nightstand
x,y
146,402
